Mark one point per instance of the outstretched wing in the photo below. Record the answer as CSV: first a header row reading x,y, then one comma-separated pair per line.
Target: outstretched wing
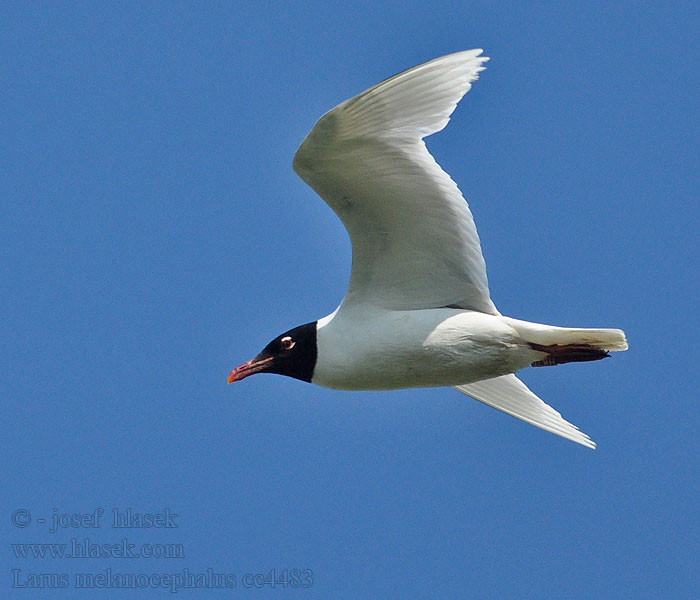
x,y
510,395
414,242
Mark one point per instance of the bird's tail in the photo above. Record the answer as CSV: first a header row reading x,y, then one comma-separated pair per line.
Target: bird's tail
x,y
561,345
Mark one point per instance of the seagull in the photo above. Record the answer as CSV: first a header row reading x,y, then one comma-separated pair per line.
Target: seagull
x,y
417,311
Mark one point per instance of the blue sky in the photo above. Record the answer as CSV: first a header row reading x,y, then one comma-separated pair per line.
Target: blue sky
x,y
154,236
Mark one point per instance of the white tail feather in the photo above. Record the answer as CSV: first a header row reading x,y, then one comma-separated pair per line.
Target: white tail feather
x,y
612,340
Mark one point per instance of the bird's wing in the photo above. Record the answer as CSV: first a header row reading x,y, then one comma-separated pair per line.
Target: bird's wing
x,y
414,242
510,395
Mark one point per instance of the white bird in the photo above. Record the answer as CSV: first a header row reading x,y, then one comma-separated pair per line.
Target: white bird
x,y
417,312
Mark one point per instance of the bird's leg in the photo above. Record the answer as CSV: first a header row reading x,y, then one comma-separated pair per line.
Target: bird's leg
x,y
565,353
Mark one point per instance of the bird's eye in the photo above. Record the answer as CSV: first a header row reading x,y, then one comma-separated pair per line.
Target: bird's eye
x,y
287,343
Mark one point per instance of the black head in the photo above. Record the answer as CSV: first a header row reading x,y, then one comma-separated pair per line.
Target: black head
x,y
293,354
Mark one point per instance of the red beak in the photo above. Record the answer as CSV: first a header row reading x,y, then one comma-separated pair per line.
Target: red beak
x,y
254,365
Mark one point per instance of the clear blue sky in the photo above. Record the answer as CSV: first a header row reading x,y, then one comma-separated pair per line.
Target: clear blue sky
x,y
154,235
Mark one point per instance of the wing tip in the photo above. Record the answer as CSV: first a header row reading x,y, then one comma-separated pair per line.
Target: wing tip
x,y
581,438
510,395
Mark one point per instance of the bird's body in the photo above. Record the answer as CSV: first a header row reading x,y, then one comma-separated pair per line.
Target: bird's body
x,y
415,348
417,312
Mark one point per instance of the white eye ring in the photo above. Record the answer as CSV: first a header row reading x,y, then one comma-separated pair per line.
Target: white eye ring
x,y
287,343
